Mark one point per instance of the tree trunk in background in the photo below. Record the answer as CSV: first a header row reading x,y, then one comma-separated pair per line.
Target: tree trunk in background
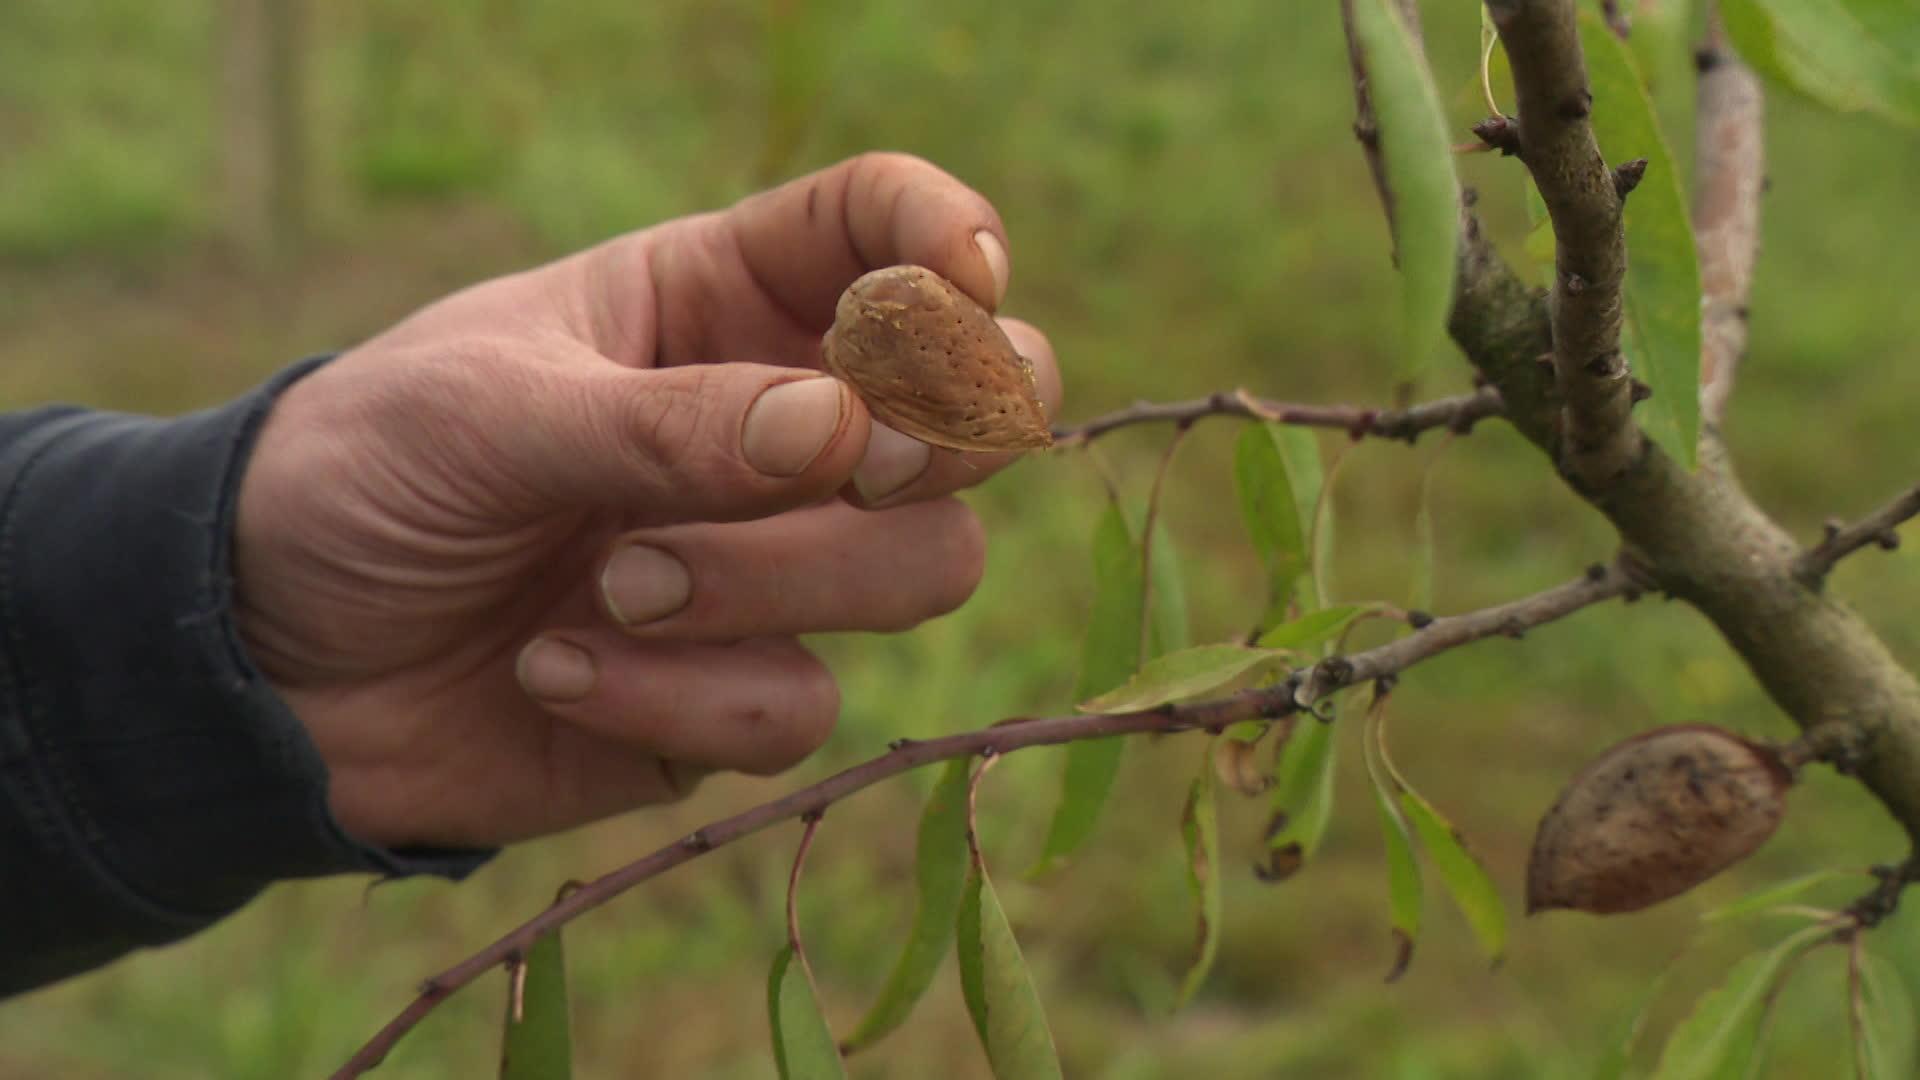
x,y
264,136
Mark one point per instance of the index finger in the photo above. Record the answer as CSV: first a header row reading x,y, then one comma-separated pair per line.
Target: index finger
x,y
807,240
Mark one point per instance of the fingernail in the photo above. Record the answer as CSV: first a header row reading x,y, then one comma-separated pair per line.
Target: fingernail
x,y
996,255
893,461
789,424
641,584
554,671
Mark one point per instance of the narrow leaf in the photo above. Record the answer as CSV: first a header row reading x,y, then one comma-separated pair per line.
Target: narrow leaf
x,y
1849,55
1271,511
1466,880
1617,1056
1774,895
1312,628
999,992
1200,831
1108,657
537,1044
1663,271
1169,612
1404,893
1184,674
1721,1037
1419,176
803,1047
1885,1050
1302,799
940,869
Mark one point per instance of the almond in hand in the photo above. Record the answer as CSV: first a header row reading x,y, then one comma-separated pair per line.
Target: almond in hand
x,y
1653,817
931,363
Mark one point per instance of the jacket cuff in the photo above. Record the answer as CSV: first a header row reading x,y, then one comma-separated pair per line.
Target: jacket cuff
x,y
151,780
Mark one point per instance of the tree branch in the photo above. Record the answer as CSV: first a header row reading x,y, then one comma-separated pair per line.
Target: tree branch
x,y
1600,441
1458,413
1300,690
1730,171
1840,541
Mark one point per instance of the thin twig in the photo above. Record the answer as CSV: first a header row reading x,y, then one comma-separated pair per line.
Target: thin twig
x,y
1299,690
1880,527
1458,413
1730,173
1584,199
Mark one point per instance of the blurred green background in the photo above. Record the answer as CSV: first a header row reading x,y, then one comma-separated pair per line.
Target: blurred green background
x,y
1188,212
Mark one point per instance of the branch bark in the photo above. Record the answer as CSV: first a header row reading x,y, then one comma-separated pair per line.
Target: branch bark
x,y
1558,147
1458,413
1878,527
1299,691
1730,172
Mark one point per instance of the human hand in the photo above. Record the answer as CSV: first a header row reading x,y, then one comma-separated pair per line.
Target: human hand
x,y
539,554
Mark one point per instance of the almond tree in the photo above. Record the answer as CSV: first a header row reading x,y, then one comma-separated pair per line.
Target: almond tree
x,y
1620,375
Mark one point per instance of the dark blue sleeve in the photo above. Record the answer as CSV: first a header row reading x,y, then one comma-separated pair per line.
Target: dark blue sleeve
x,y
151,781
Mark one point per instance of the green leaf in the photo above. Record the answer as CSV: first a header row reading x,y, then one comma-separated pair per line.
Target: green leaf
x,y
1419,176
1311,629
1771,896
1200,831
1302,798
999,992
538,1045
1849,55
1885,1047
1618,1055
1109,655
1169,612
1465,879
940,869
1184,674
803,1047
1663,271
1271,511
1720,1039
1405,896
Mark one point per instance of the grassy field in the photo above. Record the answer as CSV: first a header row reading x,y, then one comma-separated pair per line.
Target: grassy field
x,y
1188,212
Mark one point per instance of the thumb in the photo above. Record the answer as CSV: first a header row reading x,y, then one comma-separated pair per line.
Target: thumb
x,y
707,442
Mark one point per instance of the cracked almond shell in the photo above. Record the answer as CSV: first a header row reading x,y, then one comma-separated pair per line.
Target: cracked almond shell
x,y
930,362
1653,817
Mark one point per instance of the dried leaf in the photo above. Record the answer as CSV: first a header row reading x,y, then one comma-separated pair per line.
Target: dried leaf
x,y
932,363
1200,832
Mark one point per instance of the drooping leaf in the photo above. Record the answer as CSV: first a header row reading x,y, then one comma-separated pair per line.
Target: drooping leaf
x,y
803,1047
1108,657
1849,55
1312,628
1184,674
1617,1055
940,870
1419,174
1200,832
1465,879
537,1044
999,991
1236,756
1169,608
1405,896
1772,896
1884,1049
1302,799
1271,511
1720,1039
1663,271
